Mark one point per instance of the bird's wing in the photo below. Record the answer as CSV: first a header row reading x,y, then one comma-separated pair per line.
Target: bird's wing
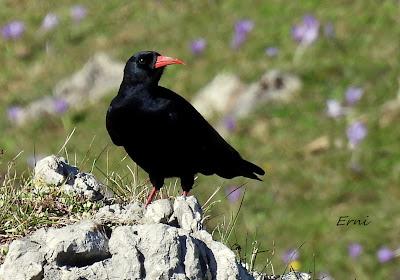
x,y
112,129
199,134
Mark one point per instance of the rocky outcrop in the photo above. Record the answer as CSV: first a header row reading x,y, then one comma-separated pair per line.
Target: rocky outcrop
x,y
165,241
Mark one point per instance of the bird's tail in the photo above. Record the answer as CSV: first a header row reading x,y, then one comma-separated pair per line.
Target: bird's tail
x,y
250,170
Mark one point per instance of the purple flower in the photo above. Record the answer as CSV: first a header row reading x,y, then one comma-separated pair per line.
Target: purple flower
x,y
50,21
242,29
197,46
307,31
60,106
290,255
356,132
353,95
13,30
13,113
233,193
329,30
78,13
230,123
271,51
334,109
384,254
355,249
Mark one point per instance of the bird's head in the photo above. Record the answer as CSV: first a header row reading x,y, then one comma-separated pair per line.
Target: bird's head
x,y
147,67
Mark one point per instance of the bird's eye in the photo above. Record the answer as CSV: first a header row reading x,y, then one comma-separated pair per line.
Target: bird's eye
x,y
141,61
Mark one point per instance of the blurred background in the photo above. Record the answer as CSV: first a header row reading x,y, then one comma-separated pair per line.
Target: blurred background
x,y
330,146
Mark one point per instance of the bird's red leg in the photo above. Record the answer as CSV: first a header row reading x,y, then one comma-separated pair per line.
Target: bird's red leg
x,y
151,197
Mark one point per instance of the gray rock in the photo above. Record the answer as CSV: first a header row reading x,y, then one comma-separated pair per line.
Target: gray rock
x,y
119,214
129,260
76,245
217,96
226,96
223,263
159,211
159,261
295,276
273,86
97,78
188,213
23,261
87,185
55,171
95,271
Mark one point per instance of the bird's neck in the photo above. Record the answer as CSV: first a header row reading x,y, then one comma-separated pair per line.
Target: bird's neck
x,y
139,85
130,93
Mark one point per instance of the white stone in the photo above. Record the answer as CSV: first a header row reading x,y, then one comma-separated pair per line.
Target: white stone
x,y
159,211
216,97
188,213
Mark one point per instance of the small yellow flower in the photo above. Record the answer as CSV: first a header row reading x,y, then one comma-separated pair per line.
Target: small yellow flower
x,y
266,166
295,265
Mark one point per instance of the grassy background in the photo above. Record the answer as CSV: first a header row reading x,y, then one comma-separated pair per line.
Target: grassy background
x,y
302,196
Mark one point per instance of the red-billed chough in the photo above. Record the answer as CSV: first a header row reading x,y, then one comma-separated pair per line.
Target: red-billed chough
x,y
163,133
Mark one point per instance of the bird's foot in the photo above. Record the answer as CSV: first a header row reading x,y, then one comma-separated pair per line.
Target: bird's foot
x,y
151,197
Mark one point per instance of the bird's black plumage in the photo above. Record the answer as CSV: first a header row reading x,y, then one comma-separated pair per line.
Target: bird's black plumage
x,y
163,133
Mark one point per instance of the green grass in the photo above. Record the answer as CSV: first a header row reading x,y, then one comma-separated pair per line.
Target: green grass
x,y
303,195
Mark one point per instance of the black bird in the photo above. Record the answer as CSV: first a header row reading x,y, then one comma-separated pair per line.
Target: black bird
x,y
163,133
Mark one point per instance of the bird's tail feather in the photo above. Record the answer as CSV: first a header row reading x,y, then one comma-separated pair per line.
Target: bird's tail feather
x,y
250,170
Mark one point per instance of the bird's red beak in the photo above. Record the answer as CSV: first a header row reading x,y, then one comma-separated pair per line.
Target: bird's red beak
x,y
165,60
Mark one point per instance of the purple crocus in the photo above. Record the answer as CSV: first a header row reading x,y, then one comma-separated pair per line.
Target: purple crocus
x,y
198,46
230,123
353,95
290,255
271,51
384,254
242,29
13,113
356,132
233,193
50,21
334,109
355,249
60,106
306,32
78,12
13,30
